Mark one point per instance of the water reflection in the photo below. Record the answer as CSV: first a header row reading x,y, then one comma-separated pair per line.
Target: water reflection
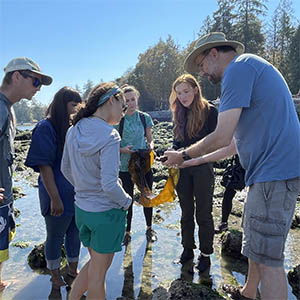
x,y
145,291
187,271
137,270
55,294
128,285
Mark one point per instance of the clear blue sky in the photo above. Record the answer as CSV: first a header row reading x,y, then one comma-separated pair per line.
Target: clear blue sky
x,y
77,40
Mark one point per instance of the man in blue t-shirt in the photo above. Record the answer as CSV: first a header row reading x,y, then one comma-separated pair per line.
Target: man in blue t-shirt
x,y
22,79
257,120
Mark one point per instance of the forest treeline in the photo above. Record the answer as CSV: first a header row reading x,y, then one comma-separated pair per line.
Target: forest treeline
x,y
276,39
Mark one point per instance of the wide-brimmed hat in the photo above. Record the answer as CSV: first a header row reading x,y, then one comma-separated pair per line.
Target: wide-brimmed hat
x,y
208,41
24,63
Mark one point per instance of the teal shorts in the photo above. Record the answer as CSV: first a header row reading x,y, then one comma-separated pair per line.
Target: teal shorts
x,y
102,231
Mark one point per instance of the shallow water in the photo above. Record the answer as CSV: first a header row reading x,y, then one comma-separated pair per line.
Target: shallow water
x,y
135,271
25,126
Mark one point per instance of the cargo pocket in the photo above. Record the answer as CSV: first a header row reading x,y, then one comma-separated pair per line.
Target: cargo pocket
x,y
292,190
267,237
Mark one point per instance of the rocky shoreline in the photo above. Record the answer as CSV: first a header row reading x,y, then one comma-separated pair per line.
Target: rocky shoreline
x,y
229,243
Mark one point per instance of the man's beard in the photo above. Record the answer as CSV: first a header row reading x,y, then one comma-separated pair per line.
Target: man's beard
x,y
214,79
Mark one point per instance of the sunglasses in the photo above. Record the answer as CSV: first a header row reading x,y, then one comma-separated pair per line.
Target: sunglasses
x,y
36,82
124,106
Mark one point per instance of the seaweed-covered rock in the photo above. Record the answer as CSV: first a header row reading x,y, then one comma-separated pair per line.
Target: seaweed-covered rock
x,y
296,218
23,135
36,258
18,192
17,212
184,290
232,244
21,244
294,280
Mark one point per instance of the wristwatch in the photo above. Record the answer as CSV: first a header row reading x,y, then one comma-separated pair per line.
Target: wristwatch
x,y
185,156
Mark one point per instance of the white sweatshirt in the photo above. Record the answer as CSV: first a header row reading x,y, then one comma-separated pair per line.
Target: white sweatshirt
x,y
91,162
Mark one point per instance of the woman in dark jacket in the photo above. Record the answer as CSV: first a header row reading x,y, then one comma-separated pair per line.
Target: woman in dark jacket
x,y
194,118
55,192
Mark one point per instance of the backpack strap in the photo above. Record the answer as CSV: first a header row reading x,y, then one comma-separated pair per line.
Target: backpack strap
x,y
121,127
142,118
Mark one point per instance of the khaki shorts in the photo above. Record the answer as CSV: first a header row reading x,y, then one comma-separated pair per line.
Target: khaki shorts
x,y
268,214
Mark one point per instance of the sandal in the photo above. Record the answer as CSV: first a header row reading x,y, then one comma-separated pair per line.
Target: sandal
x,y
69,278
234,292
57,283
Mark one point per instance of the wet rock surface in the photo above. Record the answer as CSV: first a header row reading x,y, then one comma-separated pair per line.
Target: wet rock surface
x,y
228,245
181,289
294,280
232,244
36,258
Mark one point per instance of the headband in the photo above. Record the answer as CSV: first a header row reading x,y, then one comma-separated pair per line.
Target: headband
x,y
113,91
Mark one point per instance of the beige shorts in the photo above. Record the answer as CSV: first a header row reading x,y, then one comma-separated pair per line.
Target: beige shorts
x,y
268,214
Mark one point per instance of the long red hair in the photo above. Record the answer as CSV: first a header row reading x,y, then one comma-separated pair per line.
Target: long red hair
x,y
194,117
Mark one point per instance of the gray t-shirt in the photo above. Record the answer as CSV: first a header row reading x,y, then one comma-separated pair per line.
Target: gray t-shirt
x,y
7,135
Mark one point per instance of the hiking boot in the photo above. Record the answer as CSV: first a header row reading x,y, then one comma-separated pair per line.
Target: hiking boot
x,y
221,227
151,235
186,255
203,263
234,292
127,239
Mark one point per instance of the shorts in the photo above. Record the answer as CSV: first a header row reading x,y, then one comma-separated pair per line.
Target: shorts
x,y
7,230
102,231
268,215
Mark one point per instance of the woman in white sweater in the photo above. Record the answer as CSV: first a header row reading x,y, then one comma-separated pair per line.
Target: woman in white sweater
x,y
91,163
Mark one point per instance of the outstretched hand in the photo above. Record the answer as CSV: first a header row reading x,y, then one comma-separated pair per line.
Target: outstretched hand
x,y
174,158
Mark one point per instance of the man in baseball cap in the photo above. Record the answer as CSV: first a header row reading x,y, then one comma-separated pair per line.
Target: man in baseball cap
x,y
23,78
25,63
258,121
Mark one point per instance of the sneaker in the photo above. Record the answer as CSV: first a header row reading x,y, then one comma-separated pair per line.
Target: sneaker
x,y
203,263
221,227
186,255
234,292
151,235
127,239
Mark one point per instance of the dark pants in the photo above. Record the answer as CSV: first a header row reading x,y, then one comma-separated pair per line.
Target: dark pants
x,y
227,203
196,186
128,186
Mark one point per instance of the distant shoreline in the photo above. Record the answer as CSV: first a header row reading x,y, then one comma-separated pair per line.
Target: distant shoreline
x,y
26,124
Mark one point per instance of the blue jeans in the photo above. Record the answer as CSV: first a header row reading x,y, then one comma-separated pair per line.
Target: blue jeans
x,y
61,230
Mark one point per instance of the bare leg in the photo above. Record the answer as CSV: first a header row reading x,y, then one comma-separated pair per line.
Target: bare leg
x,y
3,284
80,284
250,288
98,267
273,282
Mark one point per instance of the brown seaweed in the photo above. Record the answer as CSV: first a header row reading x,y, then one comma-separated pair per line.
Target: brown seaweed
x,y
139,165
